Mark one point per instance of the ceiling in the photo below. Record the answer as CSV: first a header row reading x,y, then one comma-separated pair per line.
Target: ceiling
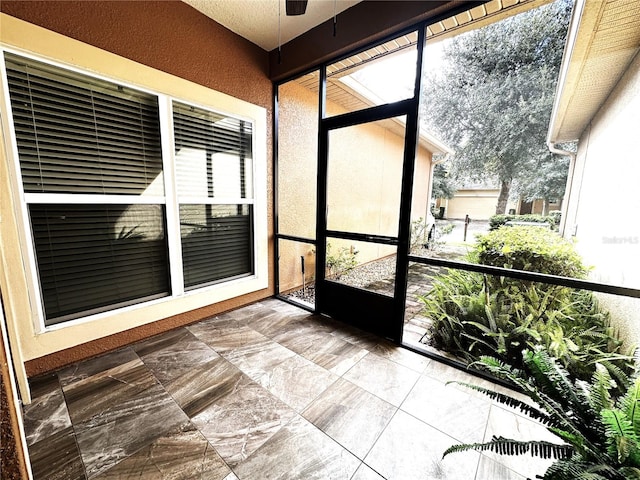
x,y
257,20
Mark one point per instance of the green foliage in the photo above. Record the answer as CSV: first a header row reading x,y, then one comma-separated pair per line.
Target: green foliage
x,y
475,315
442,184
420,234
446,229
497,221
340,262
530,248
493,109
599,431
556,215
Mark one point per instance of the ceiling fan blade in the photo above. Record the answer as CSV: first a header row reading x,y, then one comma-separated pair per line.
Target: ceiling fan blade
x,y
296,7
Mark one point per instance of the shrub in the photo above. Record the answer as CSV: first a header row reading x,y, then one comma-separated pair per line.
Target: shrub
x,y
556,215
340,262
474,314
531,249
599,429
498,221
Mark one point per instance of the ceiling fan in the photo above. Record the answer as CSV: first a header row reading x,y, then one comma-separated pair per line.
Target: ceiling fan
x,y
296,7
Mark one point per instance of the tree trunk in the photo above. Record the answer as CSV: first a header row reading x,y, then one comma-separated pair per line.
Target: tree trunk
x,y
545,206
505,187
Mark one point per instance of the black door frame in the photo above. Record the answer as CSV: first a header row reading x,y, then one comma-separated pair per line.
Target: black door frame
x,y
370,311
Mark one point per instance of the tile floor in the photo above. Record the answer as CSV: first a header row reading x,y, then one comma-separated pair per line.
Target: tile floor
x,y
268,391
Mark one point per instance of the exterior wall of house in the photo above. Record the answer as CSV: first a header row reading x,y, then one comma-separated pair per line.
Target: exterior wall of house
x,y
604,204
364,182
538,206
478,204
167,47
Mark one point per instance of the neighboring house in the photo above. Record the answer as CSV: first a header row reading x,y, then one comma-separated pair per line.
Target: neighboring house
x,y
476,200
598,104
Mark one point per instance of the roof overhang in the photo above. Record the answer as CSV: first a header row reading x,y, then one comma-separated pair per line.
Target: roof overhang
x,y
603,39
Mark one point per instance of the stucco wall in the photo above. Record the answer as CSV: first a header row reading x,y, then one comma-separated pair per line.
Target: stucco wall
x,y
365,169
478,204
190,55
604,209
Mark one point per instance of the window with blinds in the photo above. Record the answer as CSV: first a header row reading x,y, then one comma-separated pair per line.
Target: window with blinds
x,y
214,181
90,155
83,145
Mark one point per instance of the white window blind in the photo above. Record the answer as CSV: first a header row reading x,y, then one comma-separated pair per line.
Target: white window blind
x,y
79,135
214,177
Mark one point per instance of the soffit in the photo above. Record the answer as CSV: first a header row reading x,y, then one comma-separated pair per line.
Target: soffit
x,y
351,99
606,38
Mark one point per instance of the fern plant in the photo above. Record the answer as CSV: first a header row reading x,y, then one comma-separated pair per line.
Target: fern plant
x,y
600,432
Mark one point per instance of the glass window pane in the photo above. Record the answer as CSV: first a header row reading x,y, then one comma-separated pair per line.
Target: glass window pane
x,y
365,177
298,156
77,134
217,243
466,315
297,264
96,257
365,265
213,154
382,74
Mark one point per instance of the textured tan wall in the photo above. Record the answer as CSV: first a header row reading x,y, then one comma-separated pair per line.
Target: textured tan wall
x,y
478,204
604,205
175,38
365,170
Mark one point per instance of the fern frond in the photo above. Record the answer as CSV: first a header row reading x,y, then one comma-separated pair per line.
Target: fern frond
x,y
573,469
630,473
630,405
622,440
503,399
601,384
550,377
507,446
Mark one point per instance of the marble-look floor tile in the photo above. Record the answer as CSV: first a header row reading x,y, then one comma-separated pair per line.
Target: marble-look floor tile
x,y
278,322
57,457
510,425
47,414
323,349
173,354
242,420
489,469
114,434
258,359
444,373
460,415
88,368
407,358
299,451
366,473
181,454
225,335
352,416
297,381
384,378
204,385
100,392
409,449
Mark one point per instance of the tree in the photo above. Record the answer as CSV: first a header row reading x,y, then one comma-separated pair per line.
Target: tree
x,y
442,186
492,99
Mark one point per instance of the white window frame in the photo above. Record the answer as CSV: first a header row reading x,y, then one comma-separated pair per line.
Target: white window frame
x,y
170,201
